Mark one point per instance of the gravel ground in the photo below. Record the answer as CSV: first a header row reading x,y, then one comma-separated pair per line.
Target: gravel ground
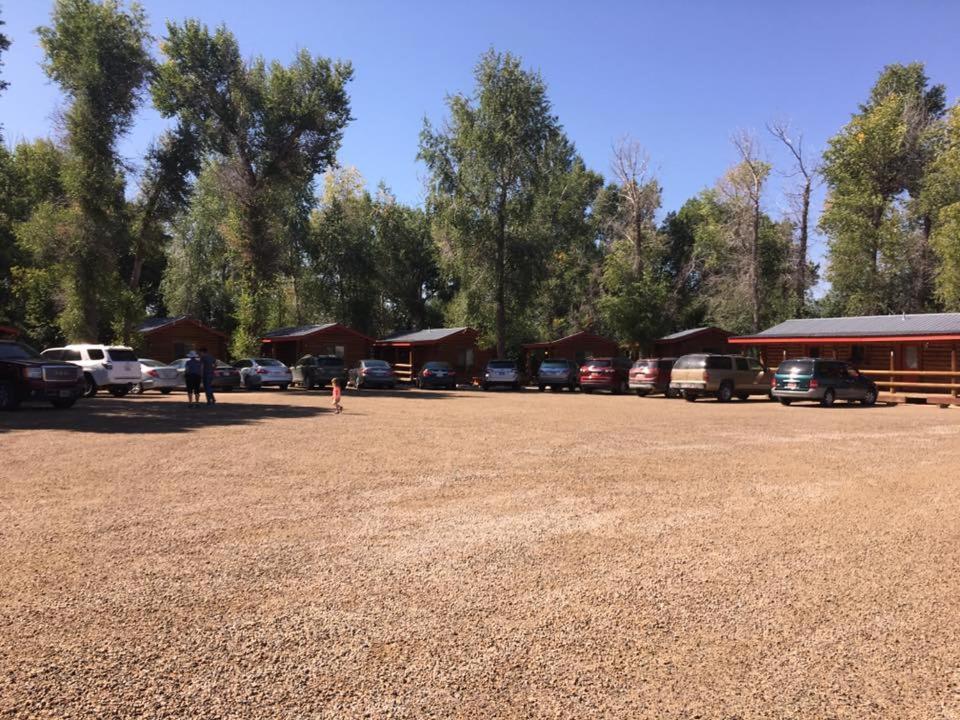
x,y
478,555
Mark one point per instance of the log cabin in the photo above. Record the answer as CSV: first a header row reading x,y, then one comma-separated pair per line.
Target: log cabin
x,y
408,352
290,344
167,339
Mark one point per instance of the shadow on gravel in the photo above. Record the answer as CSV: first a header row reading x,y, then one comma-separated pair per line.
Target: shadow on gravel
x,y
141,415
411,393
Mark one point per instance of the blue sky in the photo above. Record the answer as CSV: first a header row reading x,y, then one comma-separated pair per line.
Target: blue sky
x,y
679,77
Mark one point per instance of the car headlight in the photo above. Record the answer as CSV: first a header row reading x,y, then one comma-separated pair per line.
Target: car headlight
x,y
33,373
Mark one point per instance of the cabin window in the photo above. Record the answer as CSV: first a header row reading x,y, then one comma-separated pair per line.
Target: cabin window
x,y
338,351
911,357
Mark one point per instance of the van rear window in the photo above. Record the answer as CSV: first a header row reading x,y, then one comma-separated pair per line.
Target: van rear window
x,y
796,367
122,354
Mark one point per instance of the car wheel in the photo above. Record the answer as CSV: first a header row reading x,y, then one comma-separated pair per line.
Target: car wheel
x,y
743,396
167,391
8,397
671,393
572,387
828,397
89,386
541,388
484,387
119,391
785,401
725,393
63,403
642,393
308,383
870,398
136,389
689,396
620,388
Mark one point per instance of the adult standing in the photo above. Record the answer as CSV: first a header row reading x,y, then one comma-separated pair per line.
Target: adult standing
x,y
208,362
192,374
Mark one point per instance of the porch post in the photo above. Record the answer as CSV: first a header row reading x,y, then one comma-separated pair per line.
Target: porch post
x,y
953,366
893,388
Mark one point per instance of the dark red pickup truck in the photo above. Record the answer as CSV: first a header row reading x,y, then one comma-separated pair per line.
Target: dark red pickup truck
x,y
24,375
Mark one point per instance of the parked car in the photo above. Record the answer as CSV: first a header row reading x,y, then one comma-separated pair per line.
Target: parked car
x,y
822,381
25,375
503,373
155,375
437,374
103,366
720,376
652,375
373,373
225,377
260,372
557,374
611,373
318,371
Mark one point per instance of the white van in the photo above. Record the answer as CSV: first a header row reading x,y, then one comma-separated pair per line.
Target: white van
x,y
115,368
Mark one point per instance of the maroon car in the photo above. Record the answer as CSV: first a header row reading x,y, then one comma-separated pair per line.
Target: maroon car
x,y
652,375
610,373
24,375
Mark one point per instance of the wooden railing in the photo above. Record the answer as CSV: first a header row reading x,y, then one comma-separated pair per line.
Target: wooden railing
x,y
403,371
893,383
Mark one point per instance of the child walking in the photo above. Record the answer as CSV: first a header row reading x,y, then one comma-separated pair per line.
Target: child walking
x,y
337,407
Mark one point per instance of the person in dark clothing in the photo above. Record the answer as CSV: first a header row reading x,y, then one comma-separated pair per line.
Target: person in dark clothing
x,y
208,362
192,374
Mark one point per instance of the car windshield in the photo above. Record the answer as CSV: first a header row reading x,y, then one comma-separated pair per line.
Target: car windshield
x,y
437,366
179,363
224,366
599,363
269,362
691,362
330,361
122,354
17,351
796,367
375,364
644,364
151,363
554,365
503,364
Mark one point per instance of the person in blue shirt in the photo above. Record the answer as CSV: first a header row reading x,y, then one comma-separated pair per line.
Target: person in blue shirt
x,y
209,363
192,374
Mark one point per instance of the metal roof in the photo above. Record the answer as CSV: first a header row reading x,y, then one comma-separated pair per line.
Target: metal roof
x,y
297,331
688,333
867,326
159,322
424,336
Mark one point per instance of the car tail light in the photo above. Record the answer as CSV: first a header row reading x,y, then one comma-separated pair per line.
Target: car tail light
x,y
813,384
773,381
153,373
706,376
262,371
427,373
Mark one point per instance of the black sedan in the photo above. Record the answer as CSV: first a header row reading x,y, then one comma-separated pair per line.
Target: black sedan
x,y
437,374
373,374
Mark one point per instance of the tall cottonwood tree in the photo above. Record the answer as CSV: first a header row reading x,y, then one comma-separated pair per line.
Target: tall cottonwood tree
x,y
879,254
97,53
272,129
940,201
492,165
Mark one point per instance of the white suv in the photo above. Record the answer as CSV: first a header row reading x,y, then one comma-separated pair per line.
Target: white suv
x,y
104,366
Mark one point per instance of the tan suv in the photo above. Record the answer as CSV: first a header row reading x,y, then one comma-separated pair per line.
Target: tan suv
x,y
721,376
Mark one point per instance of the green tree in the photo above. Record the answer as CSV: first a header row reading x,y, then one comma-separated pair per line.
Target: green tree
x,y
96,53
271,127
492,167
940,201
879,255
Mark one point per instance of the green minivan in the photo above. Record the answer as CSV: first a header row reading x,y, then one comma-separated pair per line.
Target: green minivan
x,y
822,381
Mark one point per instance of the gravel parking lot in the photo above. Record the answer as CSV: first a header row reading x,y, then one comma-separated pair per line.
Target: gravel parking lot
x,y
472,555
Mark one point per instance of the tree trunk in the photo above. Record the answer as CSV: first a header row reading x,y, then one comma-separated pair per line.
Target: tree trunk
x,y
801,277
755,261
500,271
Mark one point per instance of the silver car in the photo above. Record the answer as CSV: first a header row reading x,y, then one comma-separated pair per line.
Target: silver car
x,y
155,375
503,373
268,370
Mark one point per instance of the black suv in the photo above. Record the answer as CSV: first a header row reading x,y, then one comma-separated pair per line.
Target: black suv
x,y
24,375
318,371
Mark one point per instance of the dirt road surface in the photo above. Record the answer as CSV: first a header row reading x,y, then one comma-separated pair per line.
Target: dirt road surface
x,y
473,555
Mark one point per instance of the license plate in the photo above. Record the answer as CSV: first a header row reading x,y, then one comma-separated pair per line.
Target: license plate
x,y
685,385
66,394
791,386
